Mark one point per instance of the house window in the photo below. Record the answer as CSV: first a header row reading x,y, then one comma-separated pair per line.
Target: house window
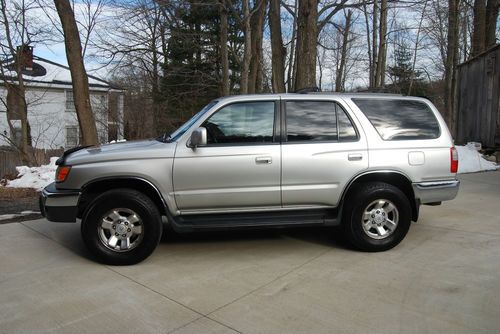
x,y
70,101
71,136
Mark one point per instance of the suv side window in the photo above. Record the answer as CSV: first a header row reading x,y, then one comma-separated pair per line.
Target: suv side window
x,y
398,119
318,121
347,132
245,122
311,121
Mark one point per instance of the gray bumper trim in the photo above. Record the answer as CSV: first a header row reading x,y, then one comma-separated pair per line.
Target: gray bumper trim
x,y
59,205
436,191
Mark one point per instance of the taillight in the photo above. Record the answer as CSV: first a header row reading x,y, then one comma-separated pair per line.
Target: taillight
x,y
453,160
62,173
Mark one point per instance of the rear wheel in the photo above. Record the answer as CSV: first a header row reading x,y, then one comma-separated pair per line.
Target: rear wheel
x,y
121,227
377,216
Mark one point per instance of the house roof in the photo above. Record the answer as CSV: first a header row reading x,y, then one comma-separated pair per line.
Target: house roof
x,y
47,73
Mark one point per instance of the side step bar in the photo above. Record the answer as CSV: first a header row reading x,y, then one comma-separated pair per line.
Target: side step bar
x,y
259,220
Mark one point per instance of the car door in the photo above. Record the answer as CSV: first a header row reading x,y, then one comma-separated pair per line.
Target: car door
x,y
239,168
322,150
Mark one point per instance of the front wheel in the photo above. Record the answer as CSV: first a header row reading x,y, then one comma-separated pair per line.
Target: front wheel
x,y
377,216
121,227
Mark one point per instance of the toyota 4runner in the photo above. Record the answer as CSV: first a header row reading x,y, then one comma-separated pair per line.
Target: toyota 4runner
x,y
363,161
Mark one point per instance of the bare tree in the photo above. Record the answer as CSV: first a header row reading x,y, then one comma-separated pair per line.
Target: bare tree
x,y
247,49
90,13
223,47
382,47
292,64
479,33
307,37
492,9
20,30
256,60
278,50
451,61
485,20
79,77
341,71
416,45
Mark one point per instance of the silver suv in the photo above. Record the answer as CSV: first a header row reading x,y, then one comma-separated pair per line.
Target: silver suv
x,y
363,161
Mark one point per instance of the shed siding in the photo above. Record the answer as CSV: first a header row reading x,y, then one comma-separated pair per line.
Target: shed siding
x,y
478,115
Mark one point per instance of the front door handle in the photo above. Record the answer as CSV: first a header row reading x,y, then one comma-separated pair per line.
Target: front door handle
x,y
263,160
355,157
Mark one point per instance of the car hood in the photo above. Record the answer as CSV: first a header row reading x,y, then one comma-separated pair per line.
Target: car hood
x,y
140,149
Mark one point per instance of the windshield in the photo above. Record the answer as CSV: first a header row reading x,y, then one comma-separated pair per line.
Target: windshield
x,y
184,127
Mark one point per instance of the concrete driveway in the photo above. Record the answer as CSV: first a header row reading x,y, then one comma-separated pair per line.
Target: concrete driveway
x,y
443,278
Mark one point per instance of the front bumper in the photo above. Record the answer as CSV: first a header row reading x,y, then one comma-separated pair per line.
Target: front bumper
x,y
59,205
436,191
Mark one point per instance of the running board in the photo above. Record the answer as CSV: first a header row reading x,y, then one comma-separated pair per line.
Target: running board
x,y
230,221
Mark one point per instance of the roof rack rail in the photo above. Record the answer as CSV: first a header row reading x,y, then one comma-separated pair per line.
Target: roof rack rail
x,y
375,90
308,90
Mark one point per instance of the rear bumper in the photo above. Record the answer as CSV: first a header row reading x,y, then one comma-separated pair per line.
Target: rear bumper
x,y
436,191
59,205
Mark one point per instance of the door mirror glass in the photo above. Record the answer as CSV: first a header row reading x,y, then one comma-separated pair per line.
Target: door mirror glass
x,y
198,138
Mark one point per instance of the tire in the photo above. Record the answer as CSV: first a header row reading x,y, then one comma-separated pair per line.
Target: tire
x,y
377,216
121,227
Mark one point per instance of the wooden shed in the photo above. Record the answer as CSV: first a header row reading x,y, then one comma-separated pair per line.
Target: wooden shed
x,y
478,99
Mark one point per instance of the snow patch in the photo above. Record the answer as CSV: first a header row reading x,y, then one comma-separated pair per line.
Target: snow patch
x,y
16,215
470,160
35,177
117,141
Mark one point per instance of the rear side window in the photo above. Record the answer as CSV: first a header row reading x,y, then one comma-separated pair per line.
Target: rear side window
x,y
315,121
400,119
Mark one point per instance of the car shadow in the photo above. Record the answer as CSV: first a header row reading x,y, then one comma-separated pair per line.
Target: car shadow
x,y
331,236
68,236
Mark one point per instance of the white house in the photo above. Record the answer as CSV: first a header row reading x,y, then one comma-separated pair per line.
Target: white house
x,y
51,112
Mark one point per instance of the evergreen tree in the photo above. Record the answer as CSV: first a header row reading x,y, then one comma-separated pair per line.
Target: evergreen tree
x,y
192,73
401,72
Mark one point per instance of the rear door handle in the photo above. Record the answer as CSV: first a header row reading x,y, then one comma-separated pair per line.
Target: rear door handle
x,y
354,157
263,160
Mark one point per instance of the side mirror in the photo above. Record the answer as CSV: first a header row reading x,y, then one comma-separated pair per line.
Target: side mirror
x,y
198,138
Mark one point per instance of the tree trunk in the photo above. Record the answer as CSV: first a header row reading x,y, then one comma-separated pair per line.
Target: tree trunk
x,y
340,78
292,65
374,43
17,113
415,50
451,63
491,22
369,44
223,49
278,50
382,50
247,49
18,107
257,23
79,77
307,35
479,32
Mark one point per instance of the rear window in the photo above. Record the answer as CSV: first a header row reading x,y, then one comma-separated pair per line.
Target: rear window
x,y
400,119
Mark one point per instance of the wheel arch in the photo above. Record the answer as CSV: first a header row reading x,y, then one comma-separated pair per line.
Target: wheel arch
x,y
394,178
98,186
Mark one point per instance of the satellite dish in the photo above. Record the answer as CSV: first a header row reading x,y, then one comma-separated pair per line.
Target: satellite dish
x,y
36,71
